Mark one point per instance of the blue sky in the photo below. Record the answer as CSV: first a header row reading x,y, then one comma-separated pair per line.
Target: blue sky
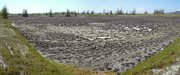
x,y
37,6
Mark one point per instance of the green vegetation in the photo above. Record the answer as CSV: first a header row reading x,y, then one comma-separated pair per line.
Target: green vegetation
x,y
68,13
4,13
50,13
161,11
134,12
159,61
145,12
21,58
119,12
25,13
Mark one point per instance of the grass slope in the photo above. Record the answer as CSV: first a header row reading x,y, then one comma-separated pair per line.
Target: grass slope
x,y
22,58
159,61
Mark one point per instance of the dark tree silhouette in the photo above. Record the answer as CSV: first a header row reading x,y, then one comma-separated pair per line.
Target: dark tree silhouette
x,y
68,13
126,13
111,13
25,13
134,12
119,12
161,11
50,13
145,12
4,13
92,12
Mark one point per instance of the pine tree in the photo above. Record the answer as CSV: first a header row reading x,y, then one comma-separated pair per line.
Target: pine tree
x,y
68,13
92,12
104,12
111,13
87,13
25,13
161,11
83,12
134,12
75,13
50,13
119,12
145,12
4,13
126,13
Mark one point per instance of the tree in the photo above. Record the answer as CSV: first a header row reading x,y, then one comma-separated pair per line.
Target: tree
x,y
134,12
46,14
67,13
83,12
119,12
145,12
75,13
111,13
25,13
92,12
161,11
87,13
4,13
50,13
126,13
104,11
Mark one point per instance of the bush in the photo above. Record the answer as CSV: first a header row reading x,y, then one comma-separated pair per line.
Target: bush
x,y
25,13
4,13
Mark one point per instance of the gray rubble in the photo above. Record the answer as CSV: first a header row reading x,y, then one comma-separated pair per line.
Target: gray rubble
x,y
103,43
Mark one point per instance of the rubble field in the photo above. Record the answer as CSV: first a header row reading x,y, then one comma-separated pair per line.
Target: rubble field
x,y
102,43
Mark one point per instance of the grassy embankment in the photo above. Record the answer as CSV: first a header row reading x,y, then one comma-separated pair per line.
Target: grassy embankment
x,y
160,60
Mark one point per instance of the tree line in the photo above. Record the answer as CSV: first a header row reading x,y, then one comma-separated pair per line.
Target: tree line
x,y
69,13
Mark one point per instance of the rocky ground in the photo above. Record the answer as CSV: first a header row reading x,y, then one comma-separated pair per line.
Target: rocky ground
x,y
104,43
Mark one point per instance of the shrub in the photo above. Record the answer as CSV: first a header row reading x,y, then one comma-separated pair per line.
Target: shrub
x,y
4,13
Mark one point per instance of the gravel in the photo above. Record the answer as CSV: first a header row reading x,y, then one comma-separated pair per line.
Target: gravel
x,y
102,43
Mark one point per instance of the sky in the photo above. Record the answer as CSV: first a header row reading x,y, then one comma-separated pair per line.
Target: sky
x,y
39,6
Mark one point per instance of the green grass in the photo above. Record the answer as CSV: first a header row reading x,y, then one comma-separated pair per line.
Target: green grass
x,y
32,63
158,61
